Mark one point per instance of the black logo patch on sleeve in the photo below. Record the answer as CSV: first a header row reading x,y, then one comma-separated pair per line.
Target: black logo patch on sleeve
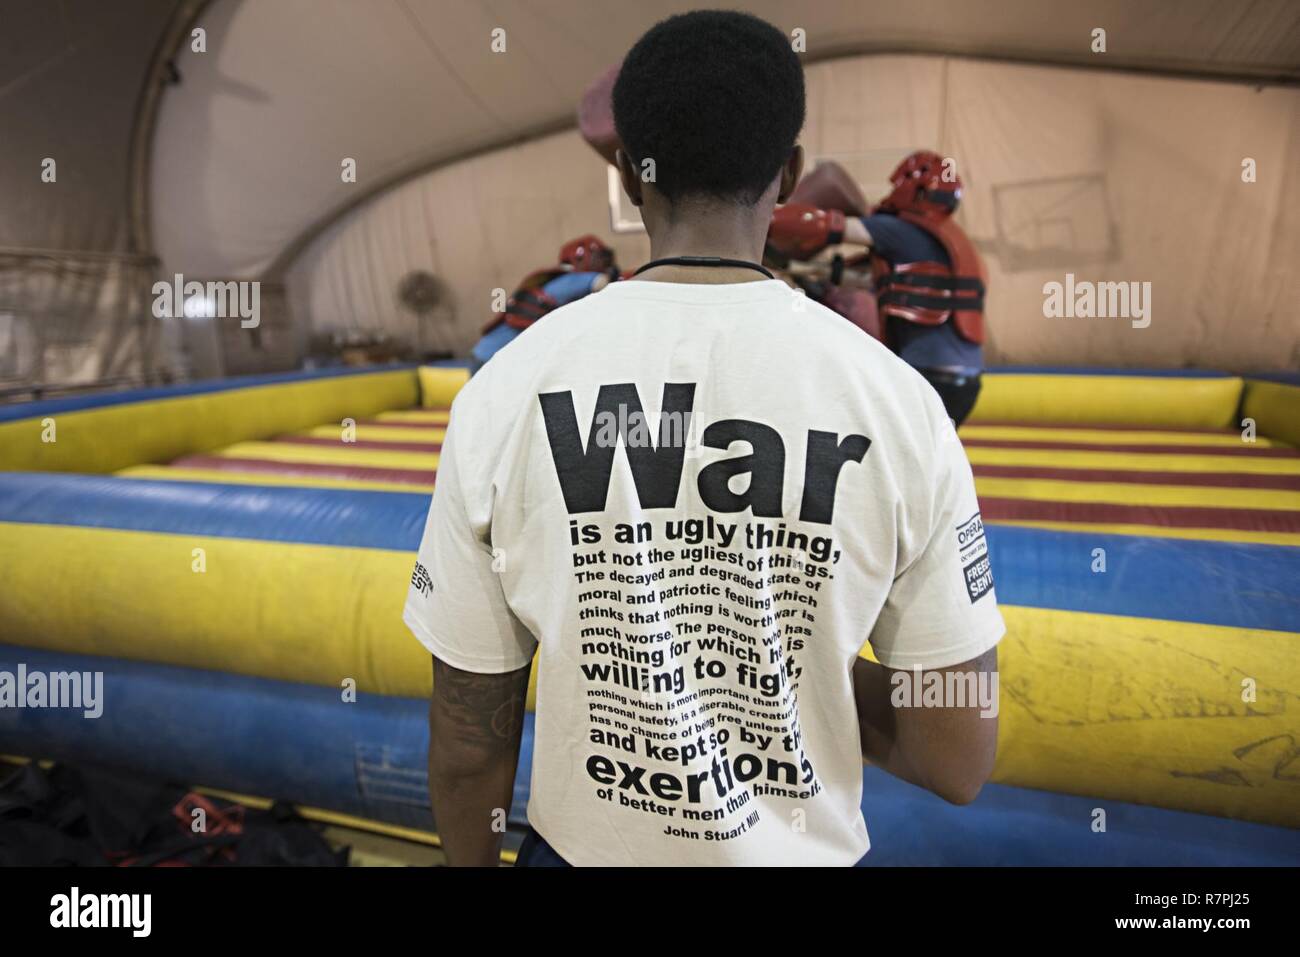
x,y
973,548
421,581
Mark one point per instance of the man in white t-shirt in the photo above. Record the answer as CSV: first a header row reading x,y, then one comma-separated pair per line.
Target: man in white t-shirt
x,y
695,496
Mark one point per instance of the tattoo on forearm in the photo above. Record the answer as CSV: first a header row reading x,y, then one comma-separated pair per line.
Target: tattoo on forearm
x,y
484,709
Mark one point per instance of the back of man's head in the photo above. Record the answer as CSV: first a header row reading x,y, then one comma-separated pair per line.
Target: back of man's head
x,y
716,100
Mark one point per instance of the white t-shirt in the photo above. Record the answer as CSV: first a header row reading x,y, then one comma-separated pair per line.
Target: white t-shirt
x,y
696,504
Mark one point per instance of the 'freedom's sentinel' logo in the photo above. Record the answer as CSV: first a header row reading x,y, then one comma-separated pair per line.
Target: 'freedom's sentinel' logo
x,y
973,548
421,581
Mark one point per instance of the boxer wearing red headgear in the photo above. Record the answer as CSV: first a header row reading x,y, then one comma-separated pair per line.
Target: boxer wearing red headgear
x,y
930,281
926,192
586,265
587,254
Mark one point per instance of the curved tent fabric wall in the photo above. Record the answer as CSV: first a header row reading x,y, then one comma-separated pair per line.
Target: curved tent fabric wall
x,y
1218,259
284,559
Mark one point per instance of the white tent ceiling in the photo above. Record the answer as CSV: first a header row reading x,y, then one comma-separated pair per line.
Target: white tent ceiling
x,y
71,80
248,148
240,162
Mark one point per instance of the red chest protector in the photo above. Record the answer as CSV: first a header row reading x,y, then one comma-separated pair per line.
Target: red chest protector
x,y
930,293
528,303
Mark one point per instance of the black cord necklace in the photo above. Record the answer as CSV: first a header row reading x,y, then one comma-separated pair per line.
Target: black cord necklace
x,y
714,261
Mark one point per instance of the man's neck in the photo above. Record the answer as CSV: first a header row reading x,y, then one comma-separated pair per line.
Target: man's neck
x,y
721,231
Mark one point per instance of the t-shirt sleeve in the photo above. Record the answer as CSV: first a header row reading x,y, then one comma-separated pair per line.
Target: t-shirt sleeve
x,y
456,606
941,609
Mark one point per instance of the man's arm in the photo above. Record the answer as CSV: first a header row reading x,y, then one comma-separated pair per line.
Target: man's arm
x,y
475,725
856,232
800,231
948,750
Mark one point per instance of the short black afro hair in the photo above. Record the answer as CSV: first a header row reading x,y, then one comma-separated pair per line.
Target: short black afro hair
x,y
716,99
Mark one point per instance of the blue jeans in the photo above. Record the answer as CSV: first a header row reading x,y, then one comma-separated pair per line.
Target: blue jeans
x,y
535,852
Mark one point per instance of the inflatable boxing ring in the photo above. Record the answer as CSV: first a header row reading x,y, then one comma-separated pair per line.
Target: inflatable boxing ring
x,y
233,558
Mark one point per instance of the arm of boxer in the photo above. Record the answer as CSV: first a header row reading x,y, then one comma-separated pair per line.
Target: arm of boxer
x,y
799,231
476,722
856,232
898,240
946,750
928,711
457,608
572,286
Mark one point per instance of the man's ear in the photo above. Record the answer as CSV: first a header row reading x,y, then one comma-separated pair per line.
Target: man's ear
x,y
628,176
790,174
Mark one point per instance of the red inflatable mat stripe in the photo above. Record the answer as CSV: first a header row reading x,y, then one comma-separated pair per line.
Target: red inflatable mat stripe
x,y
1287,483
307,469
375,444
1099,427
1207,449
1172,516
384,423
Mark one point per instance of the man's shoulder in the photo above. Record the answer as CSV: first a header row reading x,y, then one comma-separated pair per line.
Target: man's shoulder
x,y
841,343
875,377
512,370
549,335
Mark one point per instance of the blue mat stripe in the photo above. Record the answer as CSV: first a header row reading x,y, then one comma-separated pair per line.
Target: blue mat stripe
x,y
316,516
1217,583
303,744
1214,583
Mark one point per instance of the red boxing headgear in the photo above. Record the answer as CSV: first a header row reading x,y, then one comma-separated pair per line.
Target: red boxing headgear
x,y
587,254
925,184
